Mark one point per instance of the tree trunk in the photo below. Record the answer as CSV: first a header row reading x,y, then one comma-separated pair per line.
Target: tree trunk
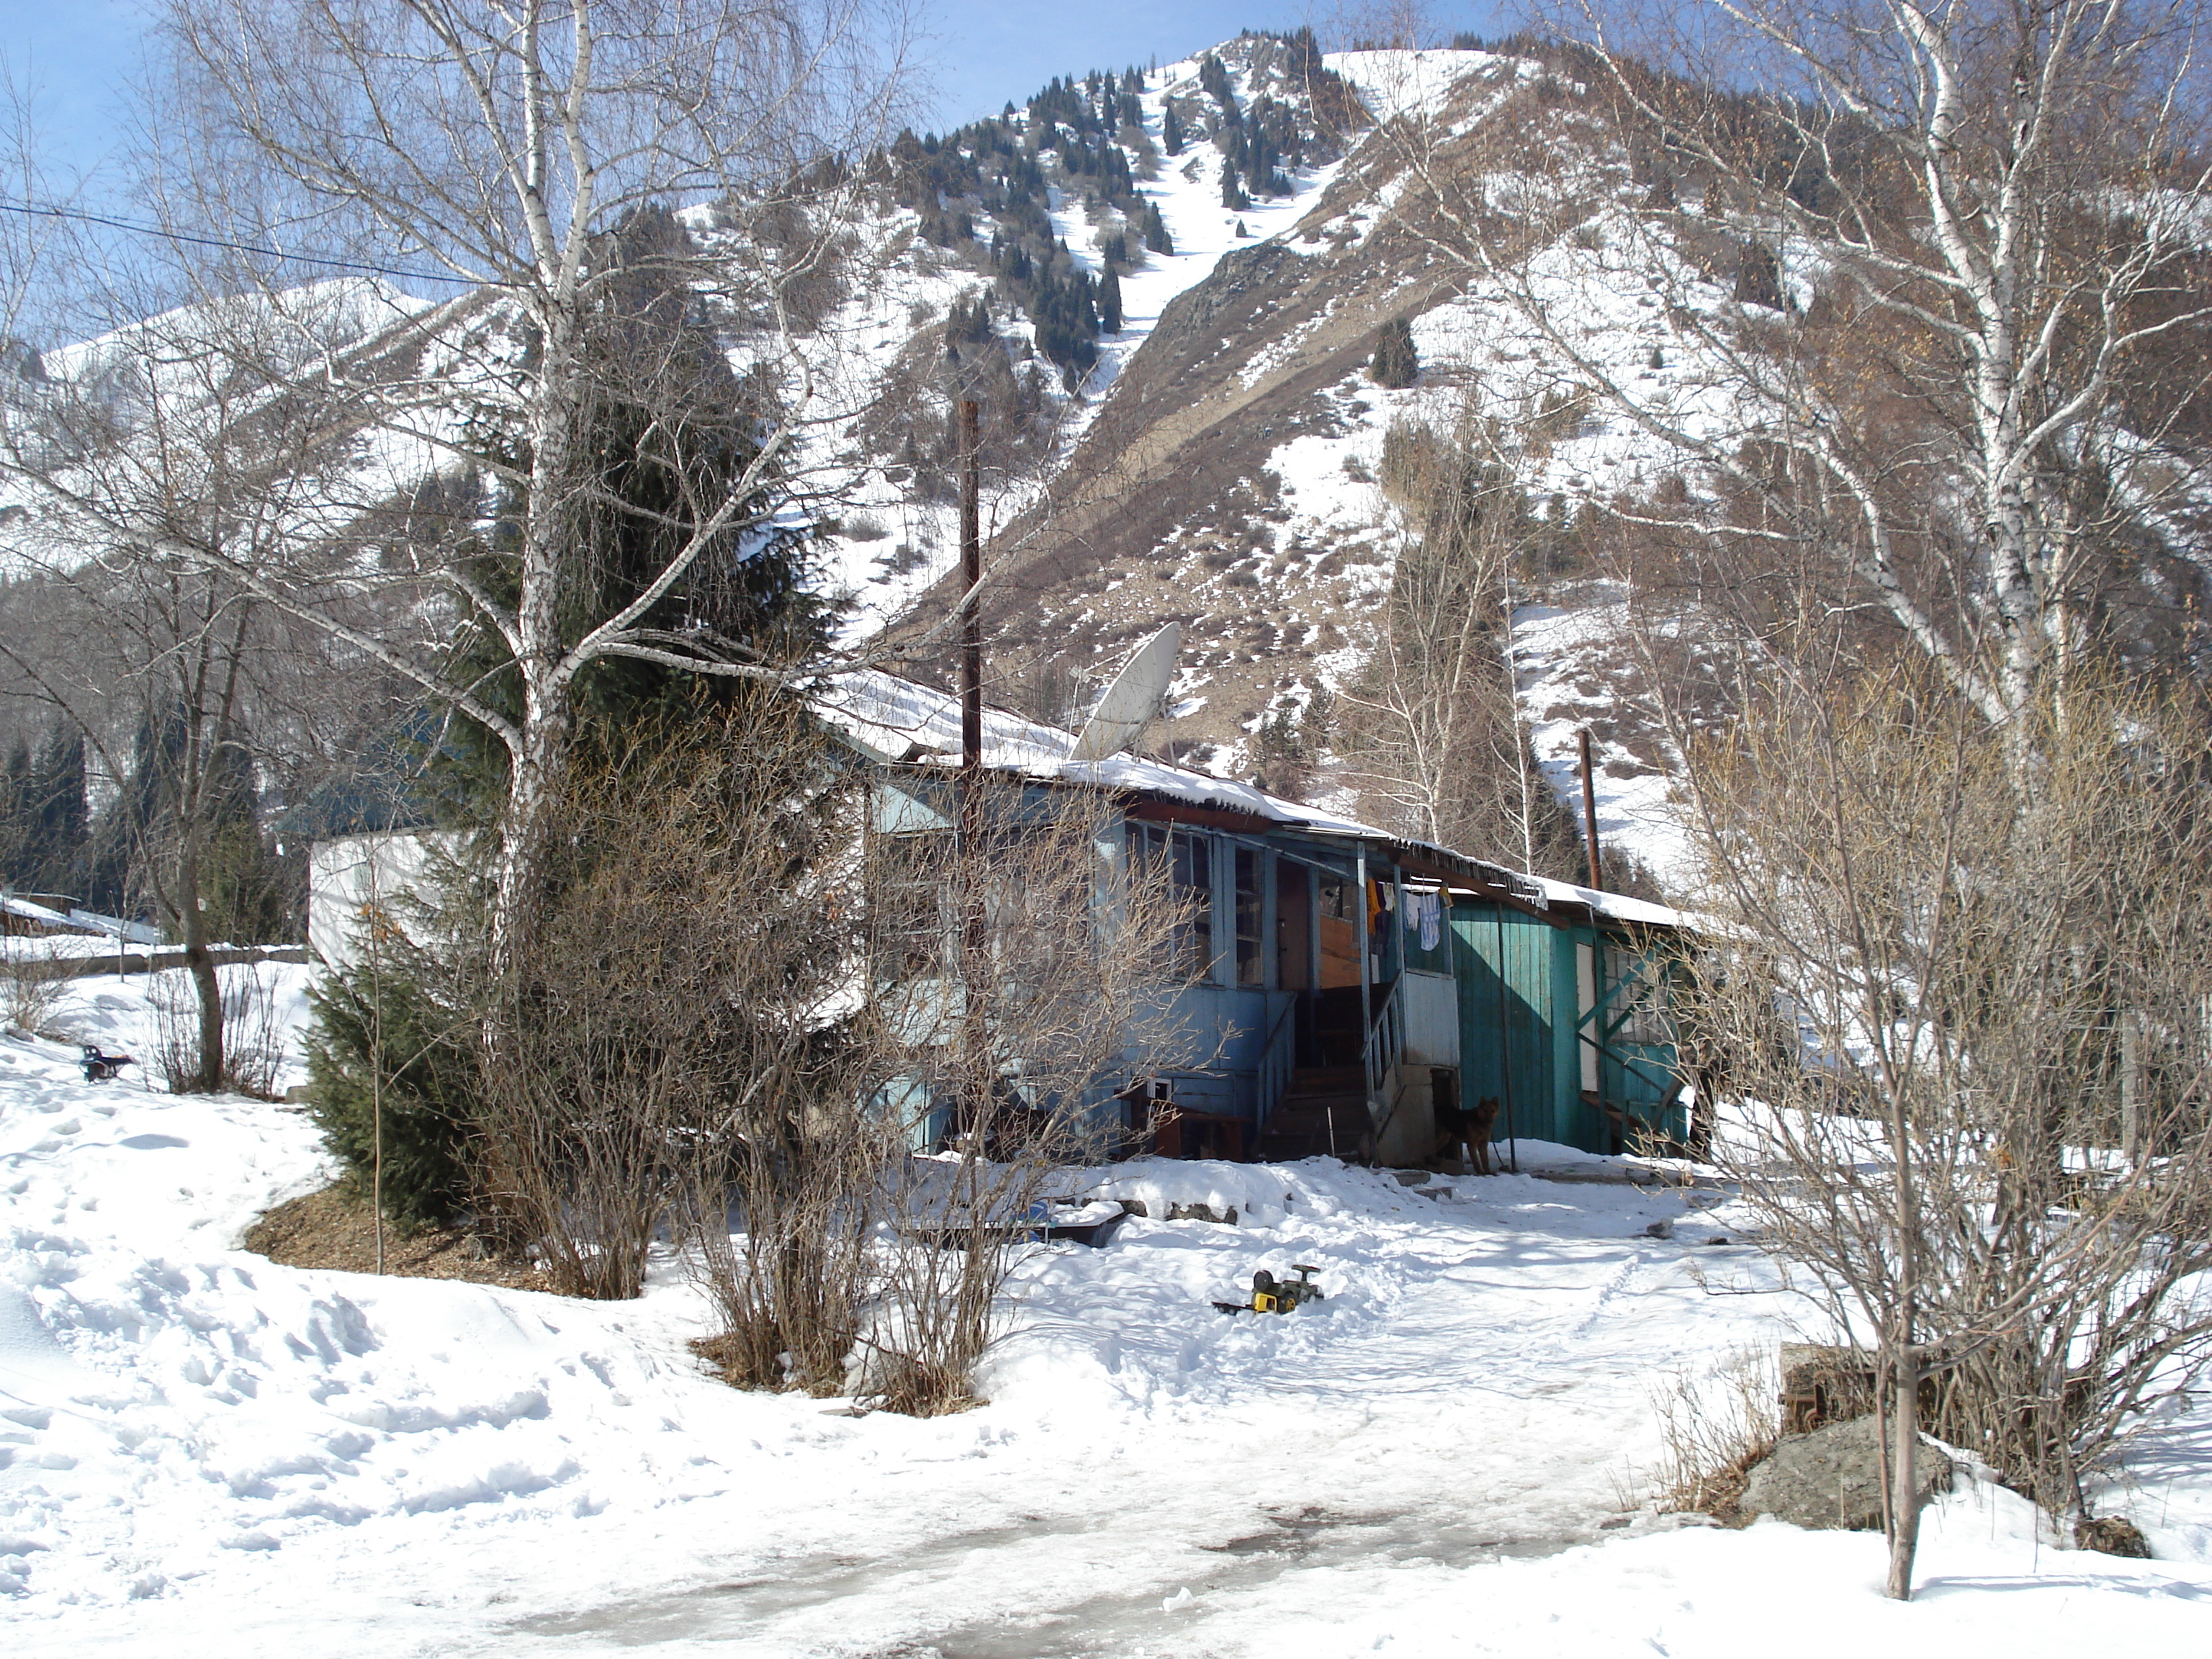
x,y
1904,1469
533,779
535,769
201,966
1901,1513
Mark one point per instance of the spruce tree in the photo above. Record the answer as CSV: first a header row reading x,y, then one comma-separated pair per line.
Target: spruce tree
x,y
1110,302
1395,364
57,816
1171,130
1156,230
14,814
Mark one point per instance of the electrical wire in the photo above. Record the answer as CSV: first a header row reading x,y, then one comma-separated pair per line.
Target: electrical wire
x,y
35,209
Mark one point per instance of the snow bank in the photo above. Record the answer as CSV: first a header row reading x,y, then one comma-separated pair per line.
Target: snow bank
x,y
206,1454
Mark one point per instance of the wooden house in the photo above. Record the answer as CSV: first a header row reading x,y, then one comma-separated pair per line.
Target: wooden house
x,y
1372,996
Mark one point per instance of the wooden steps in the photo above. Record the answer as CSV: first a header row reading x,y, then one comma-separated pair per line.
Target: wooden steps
x,y
1324,1111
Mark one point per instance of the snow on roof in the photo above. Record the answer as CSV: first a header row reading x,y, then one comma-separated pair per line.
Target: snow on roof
x,y
898,721
1615,907
40,913
137,933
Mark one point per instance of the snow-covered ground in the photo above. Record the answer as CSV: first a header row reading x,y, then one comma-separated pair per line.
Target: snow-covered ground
x,y
205,1453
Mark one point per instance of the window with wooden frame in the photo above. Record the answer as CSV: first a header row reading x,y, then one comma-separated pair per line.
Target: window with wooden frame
x,y
1637,1009
1186,857
1251,955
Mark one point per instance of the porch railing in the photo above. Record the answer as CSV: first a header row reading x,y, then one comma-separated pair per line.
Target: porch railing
x,y
1386,1041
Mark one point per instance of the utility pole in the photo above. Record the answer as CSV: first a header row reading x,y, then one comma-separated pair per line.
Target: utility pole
x,y
971,578
974,940
1590,811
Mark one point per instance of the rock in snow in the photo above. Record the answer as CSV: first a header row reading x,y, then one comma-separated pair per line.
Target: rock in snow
x,y
1832,1478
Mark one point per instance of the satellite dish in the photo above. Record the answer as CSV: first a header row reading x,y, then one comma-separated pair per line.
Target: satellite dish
x,y
1133,702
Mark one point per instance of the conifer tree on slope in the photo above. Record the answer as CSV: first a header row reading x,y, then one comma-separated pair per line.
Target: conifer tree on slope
x,y
1395,364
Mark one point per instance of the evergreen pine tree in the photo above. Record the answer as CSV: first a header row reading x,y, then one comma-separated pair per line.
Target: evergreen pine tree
x,y
1156,230
242,886
1110,302
1171,130
14,814
1241,232
58,815
1395,364
1232,193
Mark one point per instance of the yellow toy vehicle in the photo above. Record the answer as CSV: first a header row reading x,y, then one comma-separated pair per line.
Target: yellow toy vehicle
x,y
1272,1295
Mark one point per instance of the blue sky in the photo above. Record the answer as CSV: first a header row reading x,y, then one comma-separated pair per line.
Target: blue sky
x,y
72,53
990,51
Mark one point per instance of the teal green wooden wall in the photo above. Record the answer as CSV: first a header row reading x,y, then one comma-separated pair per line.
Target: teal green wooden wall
x,y
1536,1069
1523,1070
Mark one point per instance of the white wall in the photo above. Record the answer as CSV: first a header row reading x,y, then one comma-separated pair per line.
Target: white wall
x,y
351,874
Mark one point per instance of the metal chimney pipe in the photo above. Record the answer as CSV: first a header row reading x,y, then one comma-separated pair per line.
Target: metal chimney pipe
x,y
1590,811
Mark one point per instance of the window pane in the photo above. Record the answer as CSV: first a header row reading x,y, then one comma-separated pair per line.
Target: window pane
x,y
1195,883
1640,1006
1250,969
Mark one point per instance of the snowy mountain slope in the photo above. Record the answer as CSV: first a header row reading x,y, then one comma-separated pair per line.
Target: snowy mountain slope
x,y
1213,464
204,1454
1227,480
1217,459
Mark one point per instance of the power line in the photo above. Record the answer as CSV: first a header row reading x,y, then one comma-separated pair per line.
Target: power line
x,y
34,209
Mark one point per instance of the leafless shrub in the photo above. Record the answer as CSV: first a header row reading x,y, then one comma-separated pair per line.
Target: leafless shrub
x,y
1961,976
1027,953
177,1026
1715,1430
251,1025
661,1044
254,1031
30,992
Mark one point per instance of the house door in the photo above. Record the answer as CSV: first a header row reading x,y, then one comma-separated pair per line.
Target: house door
x,y
1336,1036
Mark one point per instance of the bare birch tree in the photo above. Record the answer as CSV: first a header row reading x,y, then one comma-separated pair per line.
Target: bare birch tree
x,y
1918,275
488,152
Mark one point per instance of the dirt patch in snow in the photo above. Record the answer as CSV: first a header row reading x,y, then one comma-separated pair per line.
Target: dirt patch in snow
x,y
336,1228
